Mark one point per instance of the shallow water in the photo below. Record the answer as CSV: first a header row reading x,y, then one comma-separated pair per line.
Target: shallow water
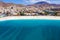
x,y
30,30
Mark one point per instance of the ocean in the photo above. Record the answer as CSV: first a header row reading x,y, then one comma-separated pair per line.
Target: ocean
x,y
30,29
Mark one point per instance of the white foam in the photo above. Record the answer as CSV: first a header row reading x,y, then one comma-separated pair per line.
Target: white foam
x,y
30,17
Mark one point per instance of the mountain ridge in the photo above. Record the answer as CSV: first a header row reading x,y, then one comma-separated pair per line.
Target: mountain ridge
x,y
41,5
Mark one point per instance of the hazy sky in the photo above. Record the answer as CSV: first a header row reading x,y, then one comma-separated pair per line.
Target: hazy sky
x,y
31,1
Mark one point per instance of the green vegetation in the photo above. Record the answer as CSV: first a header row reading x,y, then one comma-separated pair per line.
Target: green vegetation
x,y
22,13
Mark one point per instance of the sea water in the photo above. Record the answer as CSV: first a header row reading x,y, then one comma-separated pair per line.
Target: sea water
x,y
30,30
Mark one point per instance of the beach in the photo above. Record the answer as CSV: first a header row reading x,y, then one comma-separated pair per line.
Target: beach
x,y
30,17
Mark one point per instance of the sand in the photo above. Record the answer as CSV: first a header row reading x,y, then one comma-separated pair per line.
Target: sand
x,y
30,17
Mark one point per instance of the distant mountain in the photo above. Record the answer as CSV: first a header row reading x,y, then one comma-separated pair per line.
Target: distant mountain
x,y
43,2
39,5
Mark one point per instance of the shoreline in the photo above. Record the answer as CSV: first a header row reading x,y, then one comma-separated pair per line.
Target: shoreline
x,y
30,17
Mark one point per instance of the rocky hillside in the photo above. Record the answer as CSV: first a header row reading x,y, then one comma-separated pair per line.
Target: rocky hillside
x,y
3,4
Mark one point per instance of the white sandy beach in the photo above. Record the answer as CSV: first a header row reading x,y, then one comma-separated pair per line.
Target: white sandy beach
x,y
30,17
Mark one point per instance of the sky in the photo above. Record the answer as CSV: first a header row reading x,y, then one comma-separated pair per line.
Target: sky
x,y
30,1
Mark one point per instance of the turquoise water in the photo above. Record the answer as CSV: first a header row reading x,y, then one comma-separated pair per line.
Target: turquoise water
x,y
30,30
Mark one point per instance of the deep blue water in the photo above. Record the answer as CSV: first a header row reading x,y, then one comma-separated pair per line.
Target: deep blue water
x,y
30,30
